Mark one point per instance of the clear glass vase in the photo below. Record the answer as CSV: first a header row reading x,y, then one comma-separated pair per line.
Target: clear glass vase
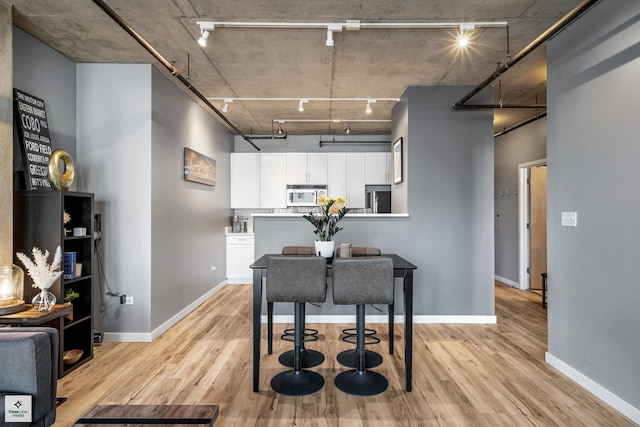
x,y
44,301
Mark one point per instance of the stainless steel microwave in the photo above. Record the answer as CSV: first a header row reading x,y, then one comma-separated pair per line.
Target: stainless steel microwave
x,y
304,195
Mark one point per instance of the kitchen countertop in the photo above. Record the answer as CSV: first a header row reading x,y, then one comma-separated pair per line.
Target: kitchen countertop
x,y
228,232
348,215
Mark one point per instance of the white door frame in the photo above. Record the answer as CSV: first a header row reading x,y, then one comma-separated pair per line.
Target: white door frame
x,y
523,220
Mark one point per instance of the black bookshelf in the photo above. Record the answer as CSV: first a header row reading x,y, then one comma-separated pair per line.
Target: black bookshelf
x,y
38,221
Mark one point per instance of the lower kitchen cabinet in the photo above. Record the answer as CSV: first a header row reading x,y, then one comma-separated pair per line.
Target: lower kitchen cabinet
x,y
240,255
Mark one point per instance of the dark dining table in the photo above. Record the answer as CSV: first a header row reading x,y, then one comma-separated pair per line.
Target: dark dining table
x,y
401,269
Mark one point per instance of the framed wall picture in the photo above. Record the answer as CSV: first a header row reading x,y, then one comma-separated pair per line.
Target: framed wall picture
x,y
199,168
397,161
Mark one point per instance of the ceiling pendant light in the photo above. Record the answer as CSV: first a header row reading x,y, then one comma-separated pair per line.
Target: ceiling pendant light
x,y
280,131
202,41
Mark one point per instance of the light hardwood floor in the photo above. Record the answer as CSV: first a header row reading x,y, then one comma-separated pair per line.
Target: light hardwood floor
x,y
464,375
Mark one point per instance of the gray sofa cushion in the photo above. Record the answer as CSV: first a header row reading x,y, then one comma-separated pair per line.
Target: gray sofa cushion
x,y
30,366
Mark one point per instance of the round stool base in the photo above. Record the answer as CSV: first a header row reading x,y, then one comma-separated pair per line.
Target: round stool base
x,y
349,358
361,383
308,358
301,383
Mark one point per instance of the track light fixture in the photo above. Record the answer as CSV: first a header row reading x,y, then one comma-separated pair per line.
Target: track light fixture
x,y
347,131
463,37
280,131
225,107
301,104
369,102
204,35
349,25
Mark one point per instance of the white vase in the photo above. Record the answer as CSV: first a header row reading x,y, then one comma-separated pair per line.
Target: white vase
x,y
325,248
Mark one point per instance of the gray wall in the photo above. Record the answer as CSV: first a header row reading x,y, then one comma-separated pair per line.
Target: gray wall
x,y
188,218
46,74
449,232
522,145
114,163
161,234
593,155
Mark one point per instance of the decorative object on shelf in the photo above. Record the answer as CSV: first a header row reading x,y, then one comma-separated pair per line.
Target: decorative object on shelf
x,y
11,289
66,218
332,210
72,356
43,275
69,295
61,181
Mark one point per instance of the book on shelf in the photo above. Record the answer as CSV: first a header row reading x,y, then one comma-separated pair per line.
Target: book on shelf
x,y
69,265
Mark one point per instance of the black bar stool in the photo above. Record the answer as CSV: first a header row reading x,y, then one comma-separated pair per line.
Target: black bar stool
x,y
349,358
308,358
299,280
362,281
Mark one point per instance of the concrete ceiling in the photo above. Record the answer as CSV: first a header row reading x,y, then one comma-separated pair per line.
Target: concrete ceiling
x,y
296,63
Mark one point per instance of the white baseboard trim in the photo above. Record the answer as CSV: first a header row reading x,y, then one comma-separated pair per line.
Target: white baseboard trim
x,y
594,388
383,318
150,336
240,281
507,281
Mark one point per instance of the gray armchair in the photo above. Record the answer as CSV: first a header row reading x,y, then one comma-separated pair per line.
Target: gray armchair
x,y
30,366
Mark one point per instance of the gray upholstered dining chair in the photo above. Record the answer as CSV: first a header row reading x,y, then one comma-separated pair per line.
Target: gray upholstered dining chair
x,y
308,358
349,358
299,280
360,281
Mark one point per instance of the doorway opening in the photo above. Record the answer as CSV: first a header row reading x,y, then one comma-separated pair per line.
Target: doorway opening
x,y
532,223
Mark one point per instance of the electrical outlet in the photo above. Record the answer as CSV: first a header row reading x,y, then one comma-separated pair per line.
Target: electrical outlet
x,y
128,301
569,219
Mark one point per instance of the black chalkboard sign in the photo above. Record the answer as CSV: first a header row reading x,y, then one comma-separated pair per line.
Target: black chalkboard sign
x,y
33,132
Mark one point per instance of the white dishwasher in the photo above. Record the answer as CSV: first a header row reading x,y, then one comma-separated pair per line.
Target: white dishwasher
x,y
240,255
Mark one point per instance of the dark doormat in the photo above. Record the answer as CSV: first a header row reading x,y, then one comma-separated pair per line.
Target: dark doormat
x,y
132,415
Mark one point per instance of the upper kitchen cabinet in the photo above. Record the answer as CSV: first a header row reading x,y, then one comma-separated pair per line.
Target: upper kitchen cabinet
x,y
378,168
245,180
307,168
337,182
356,197
346,178
273,180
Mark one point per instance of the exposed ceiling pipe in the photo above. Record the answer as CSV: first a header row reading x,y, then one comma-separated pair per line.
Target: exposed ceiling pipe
x,y
502,106
519,125
284,136
345,142
174,71
553,30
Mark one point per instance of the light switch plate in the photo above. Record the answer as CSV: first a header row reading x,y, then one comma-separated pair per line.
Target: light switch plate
x,y
569,219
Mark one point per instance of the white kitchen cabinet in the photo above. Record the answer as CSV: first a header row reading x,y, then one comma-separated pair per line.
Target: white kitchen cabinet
x,y
307,168
240,255
356,197
378,168
245,180
346,178
273,180
337,185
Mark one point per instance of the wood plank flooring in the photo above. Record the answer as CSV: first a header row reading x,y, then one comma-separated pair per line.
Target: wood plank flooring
x,y
464,375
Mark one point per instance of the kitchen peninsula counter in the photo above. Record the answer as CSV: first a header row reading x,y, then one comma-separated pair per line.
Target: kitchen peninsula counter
x,y
348,215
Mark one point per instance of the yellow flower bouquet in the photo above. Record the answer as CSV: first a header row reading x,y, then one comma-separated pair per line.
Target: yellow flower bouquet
x,y
332,210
